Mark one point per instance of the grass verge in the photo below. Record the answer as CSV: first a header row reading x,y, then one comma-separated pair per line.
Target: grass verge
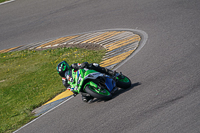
x,y
28,79
3,1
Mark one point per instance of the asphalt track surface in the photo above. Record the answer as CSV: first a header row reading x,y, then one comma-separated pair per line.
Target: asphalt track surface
x,y
167,100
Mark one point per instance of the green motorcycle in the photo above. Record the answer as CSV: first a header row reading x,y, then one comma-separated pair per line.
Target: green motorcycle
x,y
96,84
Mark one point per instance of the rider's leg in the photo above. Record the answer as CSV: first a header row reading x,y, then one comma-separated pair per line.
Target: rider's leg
x,y
100,69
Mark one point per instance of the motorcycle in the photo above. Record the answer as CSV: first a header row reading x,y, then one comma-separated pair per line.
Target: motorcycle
x,y
96,84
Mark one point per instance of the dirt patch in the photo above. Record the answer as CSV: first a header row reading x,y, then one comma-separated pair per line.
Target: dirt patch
x,y
90,46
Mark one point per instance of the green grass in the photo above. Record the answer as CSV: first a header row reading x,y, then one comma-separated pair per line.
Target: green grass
x,y
3,0
28,79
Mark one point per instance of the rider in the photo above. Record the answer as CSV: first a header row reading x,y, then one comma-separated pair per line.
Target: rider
x,y
63,67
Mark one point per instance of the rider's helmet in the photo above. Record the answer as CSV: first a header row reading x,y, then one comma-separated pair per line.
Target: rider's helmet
x,y
62,68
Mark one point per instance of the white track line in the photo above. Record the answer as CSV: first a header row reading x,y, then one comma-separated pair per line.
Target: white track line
x,y
6,2
43,114
144,37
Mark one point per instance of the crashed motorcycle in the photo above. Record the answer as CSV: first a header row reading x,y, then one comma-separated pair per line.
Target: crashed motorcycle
x,y
96,84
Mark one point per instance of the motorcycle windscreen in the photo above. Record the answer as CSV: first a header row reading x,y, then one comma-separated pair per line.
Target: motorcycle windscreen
x,y
110,83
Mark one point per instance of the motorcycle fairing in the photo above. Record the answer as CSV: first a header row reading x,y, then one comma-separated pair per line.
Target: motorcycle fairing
x,y
110,83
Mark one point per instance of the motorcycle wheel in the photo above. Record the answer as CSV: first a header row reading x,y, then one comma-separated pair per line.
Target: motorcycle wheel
x,y
123,82
104,94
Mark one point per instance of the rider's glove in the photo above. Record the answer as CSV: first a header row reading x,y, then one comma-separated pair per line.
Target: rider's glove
x,y
70,79
64,81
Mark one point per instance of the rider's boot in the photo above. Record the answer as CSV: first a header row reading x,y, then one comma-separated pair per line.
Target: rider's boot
x,y
113,73
98,68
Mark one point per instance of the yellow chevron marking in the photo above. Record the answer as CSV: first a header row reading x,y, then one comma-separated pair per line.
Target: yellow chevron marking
x,y
123,42
57,41
115,59
102,36
7,50
61,96
105,37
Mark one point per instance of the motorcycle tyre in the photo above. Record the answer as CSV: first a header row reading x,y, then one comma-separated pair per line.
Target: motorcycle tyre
x,y
123,85
97,95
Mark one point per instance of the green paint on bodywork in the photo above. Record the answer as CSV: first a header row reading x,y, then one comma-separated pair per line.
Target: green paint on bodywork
x,y
93,87
91,84
125,79
89,71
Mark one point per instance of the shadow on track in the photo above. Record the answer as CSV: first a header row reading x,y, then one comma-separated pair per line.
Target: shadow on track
x,y
120,91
